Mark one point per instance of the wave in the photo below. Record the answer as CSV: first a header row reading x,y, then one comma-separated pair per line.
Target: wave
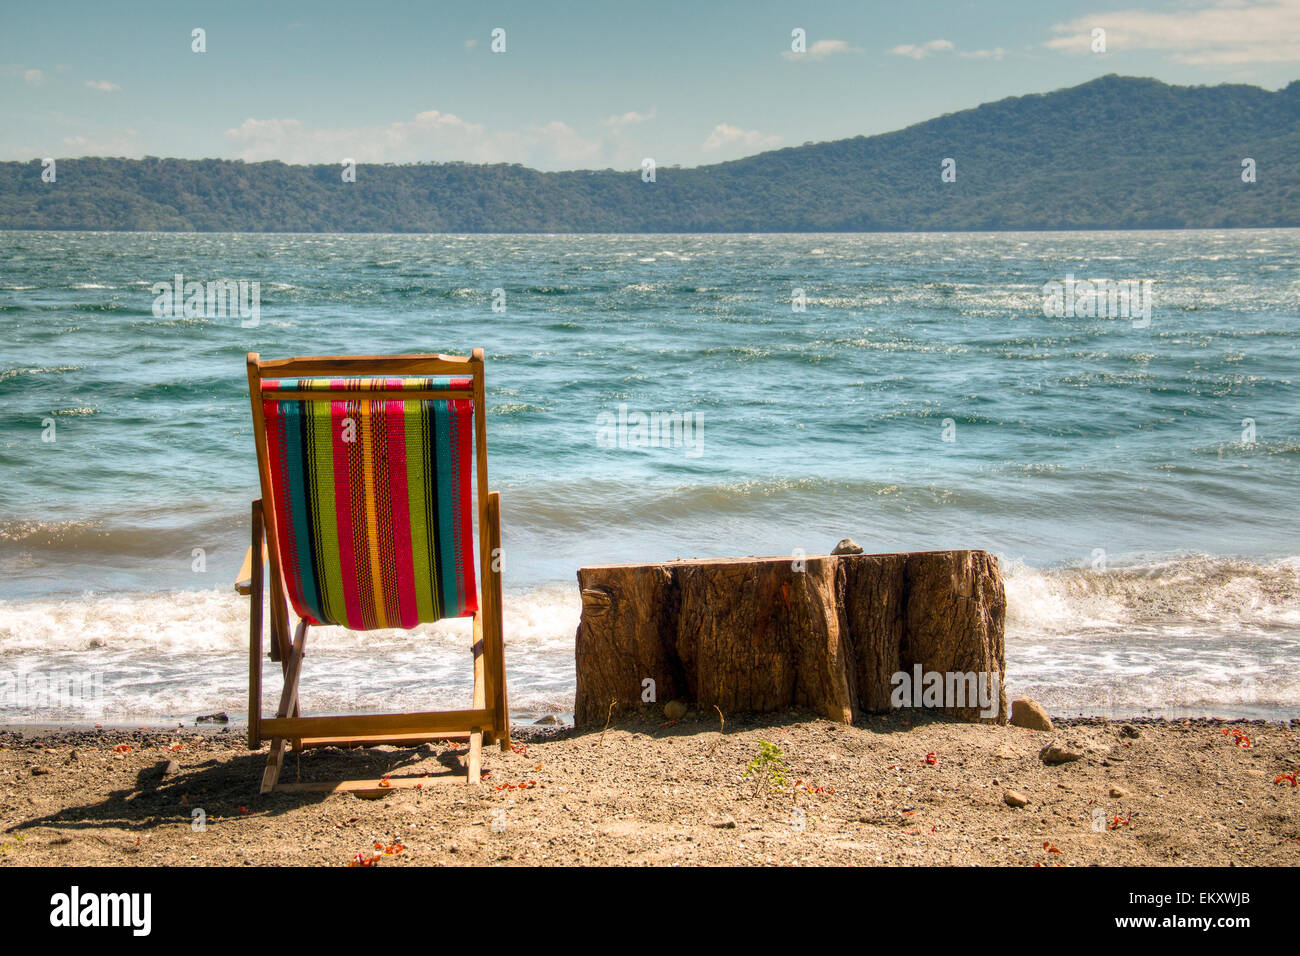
x,y
142,537
174,655
1228,593
217,620
1204,634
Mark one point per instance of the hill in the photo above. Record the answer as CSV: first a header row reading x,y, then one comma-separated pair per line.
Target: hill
x,y
1113,153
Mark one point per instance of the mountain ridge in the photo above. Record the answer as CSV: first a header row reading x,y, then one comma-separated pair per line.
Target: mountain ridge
x,y
1113,153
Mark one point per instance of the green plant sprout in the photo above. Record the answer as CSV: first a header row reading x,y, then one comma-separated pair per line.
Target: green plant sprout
x,y
768,767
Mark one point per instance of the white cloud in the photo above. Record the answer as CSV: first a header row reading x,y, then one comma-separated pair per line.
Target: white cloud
x,y
104,86
996,53
34,78
821,49
429,136
919,51
255,130
121,142
1214,33
629,118
733,139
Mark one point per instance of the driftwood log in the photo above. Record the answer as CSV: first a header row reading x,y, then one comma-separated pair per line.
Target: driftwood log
x,y
829,633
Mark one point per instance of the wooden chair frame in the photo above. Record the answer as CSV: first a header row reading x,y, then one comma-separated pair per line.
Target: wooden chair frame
x,y
487,720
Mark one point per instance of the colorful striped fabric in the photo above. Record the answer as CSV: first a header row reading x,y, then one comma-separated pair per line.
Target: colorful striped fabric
x,y
372,502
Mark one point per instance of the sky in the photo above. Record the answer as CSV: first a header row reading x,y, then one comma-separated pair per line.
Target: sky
x,y
578,85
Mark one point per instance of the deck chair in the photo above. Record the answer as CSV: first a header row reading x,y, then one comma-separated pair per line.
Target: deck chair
x,y
365,521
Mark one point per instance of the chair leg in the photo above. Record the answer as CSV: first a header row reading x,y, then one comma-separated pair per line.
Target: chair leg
x,y
256,608
288,705
475,767
505,707
493,627
273,764
475,757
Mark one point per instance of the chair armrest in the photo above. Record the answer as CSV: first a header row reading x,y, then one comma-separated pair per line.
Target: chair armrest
x,y
244,582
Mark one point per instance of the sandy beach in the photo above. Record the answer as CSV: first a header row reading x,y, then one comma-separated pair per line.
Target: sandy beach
x,y
887,791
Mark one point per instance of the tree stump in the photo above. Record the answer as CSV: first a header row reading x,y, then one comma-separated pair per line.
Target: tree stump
x,y
828,633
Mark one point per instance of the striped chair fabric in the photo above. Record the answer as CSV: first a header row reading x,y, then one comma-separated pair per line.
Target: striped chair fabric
x,y
372,500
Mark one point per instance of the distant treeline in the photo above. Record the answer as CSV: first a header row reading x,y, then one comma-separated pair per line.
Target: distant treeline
x,y
1114,153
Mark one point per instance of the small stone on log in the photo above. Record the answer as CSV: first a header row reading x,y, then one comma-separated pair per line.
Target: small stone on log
x,y
847,546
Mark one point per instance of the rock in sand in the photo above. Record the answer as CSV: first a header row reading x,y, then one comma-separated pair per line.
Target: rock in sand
x,y
1029,713
1058,753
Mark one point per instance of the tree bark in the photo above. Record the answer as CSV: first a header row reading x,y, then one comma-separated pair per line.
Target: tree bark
x,y
826,633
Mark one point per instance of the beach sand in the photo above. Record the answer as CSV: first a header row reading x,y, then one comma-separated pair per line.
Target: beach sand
x,y
663,793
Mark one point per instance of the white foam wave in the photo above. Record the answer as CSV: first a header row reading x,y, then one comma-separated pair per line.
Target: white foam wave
x,y
1223,592
177,654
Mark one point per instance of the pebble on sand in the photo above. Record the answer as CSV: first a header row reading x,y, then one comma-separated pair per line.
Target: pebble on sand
x,y
1029,713
1058,753
1014,798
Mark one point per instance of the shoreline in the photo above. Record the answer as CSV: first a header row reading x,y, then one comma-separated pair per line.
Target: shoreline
x,y
532,722
889,790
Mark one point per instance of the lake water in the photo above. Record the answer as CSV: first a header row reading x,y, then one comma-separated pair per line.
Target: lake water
x,y
1137,479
